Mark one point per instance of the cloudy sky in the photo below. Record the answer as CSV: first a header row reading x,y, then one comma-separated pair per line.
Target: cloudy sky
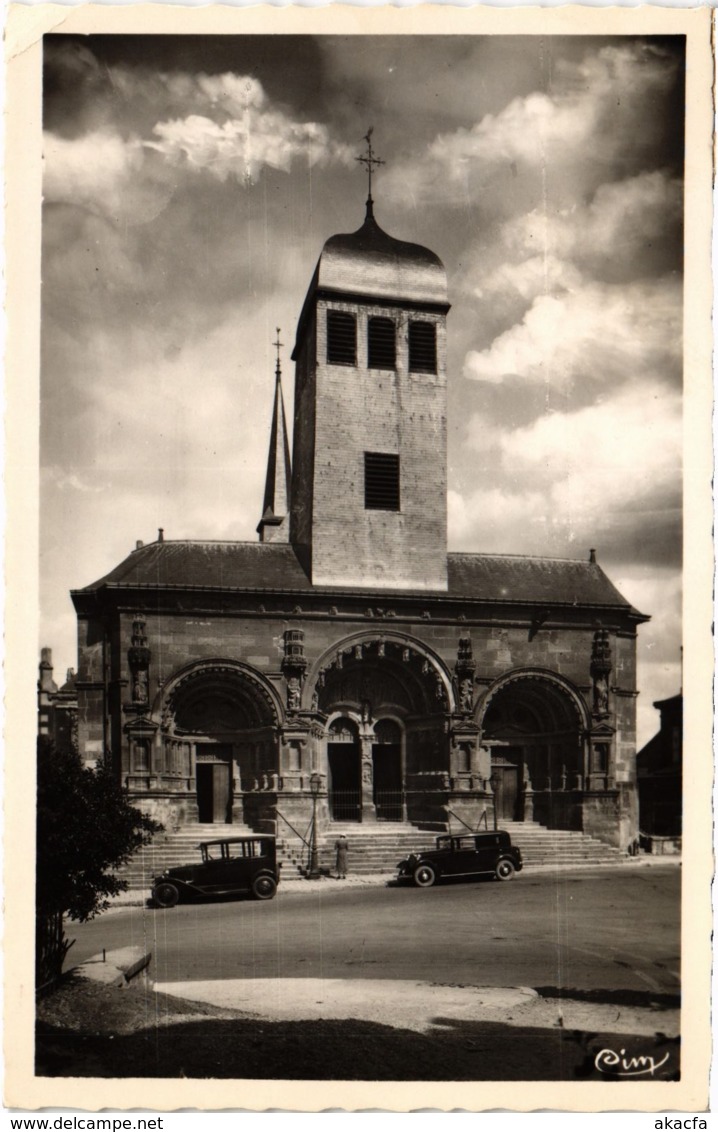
x,y
189,185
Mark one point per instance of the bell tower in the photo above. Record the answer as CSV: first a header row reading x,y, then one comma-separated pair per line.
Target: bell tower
x,y
368,498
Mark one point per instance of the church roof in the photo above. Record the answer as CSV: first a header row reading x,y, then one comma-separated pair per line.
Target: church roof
x,y
274,567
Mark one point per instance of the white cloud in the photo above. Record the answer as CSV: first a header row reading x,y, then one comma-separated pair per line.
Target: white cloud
x,y
64,480
607,474
621,221
242,147
593,112
240,133
600,334
93,169
537,275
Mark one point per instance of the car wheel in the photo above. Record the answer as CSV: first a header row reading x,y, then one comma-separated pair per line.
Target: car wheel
x,y
264,887
505,869
165,894
425,876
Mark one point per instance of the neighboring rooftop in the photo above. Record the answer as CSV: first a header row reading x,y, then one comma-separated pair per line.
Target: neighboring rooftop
x,y
274,567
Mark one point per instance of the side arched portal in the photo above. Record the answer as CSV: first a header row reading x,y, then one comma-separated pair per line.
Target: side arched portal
x,y
219,734
535,725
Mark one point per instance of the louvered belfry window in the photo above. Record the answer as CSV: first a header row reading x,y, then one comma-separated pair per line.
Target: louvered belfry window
x,y
381,343
422,347
381,481
341,338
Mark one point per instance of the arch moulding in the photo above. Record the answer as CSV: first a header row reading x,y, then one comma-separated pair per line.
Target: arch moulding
x,y
183,678
540,675
350,644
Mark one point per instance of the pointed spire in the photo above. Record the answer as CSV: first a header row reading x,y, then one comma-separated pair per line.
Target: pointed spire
x,y
274,524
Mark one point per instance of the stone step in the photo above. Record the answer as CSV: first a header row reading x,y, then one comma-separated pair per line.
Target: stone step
x,y
373,848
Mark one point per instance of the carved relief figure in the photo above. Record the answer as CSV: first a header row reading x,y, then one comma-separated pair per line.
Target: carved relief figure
x,y
600,695
466,694
601,666
294,693
140,687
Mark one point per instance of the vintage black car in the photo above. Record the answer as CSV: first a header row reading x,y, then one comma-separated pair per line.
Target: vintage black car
x,y
229,866
463,856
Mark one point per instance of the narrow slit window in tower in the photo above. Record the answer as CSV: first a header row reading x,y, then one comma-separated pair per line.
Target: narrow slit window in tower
x,y
381,481
422,347
341,338
382,343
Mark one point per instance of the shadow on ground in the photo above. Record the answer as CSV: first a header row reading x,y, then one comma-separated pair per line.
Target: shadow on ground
x,y
341,1050
616,997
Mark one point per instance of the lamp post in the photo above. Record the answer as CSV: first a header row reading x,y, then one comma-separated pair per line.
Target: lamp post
x,y
494,782
315,785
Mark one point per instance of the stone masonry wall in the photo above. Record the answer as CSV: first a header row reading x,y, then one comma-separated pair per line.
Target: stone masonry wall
x,y
389,411
177,640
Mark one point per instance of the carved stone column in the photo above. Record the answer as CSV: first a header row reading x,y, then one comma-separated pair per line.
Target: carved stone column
x,y
464,672
368,807
294,667
139,656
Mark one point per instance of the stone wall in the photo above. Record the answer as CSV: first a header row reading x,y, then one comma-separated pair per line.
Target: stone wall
x,y
360,410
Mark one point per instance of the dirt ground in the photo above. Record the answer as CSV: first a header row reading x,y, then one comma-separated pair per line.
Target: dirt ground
x,y
86,1029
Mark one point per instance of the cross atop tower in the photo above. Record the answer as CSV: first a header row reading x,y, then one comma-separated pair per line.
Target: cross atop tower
x,y
371,163
278,344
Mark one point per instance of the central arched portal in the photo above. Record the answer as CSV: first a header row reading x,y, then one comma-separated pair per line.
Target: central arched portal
x,y
535,731
386,701
219,728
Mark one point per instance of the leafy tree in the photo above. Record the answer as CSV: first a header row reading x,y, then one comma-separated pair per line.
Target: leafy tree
x,y
86,828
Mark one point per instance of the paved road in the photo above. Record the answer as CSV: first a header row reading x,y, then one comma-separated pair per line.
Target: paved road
x,y
610,929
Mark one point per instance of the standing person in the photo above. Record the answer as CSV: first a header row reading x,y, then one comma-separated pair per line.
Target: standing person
x,y
342,847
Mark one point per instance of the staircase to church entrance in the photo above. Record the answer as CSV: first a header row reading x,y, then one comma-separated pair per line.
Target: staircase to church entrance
x,y
373,849
169,849
377,849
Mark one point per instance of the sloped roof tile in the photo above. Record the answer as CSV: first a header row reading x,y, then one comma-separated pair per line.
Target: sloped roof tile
x,y
261,567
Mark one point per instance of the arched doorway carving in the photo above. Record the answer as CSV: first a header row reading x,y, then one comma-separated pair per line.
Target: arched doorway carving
x,y
399,696
535,724
398,656
219,722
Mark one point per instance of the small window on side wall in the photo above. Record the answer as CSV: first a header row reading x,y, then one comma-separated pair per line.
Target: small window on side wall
x,y
422,347
341,338
142,756
381,481
381,343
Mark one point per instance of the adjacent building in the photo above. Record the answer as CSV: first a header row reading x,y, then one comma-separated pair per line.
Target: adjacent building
x,y
56,705
660,775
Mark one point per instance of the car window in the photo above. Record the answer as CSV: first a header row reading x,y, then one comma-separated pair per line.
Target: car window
x,y
211,852
443,843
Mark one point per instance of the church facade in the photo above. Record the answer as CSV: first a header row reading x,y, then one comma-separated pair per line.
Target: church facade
x,y
346,660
